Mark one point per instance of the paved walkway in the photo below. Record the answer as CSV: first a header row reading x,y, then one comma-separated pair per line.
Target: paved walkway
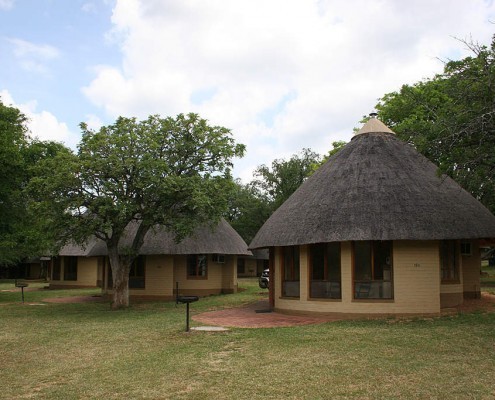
x,y
257,315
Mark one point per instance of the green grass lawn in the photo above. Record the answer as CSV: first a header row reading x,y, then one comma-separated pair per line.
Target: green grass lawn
x,y
86,351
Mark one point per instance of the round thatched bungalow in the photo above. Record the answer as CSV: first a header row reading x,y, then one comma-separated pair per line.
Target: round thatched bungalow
x,y
375,230
204,263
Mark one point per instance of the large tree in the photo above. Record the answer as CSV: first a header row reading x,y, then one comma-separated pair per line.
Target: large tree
x,y
173,172
450,118
249,208
20,234
13,137
282,179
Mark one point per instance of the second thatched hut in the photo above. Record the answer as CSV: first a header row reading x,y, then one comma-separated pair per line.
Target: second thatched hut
x,y
375,230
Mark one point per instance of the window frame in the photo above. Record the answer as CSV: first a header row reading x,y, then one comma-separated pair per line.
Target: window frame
x,y
138,282
466,249
56,272
197,262
70,268
326,270
369,282
241,265
452,269
296,254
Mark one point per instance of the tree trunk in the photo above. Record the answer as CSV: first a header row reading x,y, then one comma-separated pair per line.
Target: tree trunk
x,y
121,265
120,274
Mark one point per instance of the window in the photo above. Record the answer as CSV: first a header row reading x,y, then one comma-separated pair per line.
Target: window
x,y
325,271
449,261
56,269
372,268
70,268
136,274
290,271
197,266
466,249
241,267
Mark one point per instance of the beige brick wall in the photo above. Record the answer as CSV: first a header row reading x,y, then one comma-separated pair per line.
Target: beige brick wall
x,y
163,271
87,273
159,277
229,275
222,277
416,279
417,276
249,267
471,267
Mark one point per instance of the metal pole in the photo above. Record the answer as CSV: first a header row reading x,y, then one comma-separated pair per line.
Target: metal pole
x,y
187,317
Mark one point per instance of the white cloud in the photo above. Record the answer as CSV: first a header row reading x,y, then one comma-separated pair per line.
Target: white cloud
x,y
6,4
94,122
282,74
33,57
42,124
89,7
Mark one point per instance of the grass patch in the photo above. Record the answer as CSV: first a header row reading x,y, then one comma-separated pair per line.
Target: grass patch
x,y
487,276
37,291
74,351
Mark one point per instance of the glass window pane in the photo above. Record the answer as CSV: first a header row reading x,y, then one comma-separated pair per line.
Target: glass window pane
x,y
333,261
382,257
318,262
202,265
56,269
295,257
362,261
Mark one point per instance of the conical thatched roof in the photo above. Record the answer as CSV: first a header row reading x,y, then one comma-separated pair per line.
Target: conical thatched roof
x,y
223,239
376,188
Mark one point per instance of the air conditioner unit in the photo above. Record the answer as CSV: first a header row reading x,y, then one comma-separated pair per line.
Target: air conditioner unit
x,y
218,258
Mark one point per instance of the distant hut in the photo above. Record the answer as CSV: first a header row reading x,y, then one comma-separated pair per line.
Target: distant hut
x,y
204,263
375,230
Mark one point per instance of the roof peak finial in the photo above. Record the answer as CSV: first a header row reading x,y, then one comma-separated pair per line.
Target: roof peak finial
x,y
373,114
374,125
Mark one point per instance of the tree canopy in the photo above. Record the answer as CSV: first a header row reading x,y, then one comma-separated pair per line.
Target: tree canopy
x,y
282,179
21,236
253,203
248,210
450,118
174,172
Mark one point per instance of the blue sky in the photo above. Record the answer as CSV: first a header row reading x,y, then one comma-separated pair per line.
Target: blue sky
x,y
281,81
48,52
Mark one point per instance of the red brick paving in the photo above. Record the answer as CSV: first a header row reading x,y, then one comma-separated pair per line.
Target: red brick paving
x,y
247,317
74,299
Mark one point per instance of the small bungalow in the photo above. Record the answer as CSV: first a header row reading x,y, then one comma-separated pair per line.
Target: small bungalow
x,y
204,263
375,230
249,266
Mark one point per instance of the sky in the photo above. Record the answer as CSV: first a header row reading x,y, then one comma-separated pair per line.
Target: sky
x,y
283,75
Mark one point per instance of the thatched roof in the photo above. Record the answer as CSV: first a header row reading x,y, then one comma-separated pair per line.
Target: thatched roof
x,y
223,239
376,188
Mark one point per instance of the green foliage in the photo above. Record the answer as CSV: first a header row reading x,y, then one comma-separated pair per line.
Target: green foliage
x,y
12,139
20,234
285,176
253,203
451,120
249,209
169,171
